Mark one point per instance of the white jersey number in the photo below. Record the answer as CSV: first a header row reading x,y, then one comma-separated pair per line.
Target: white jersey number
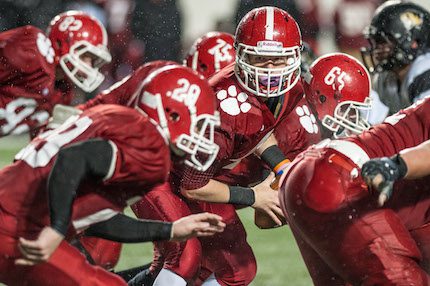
x,y
335,78
53,140
71,24
16,111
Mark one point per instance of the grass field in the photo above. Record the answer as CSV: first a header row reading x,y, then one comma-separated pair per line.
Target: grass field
x,y
278,259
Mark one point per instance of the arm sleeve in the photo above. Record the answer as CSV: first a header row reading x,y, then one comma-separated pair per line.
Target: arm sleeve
x,y
72,165
122,228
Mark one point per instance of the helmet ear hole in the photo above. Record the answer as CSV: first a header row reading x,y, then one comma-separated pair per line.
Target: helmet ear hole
x,y
173,116
203,67
337,95
322,98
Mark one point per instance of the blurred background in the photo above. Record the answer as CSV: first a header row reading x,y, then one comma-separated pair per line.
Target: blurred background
x,y
145,30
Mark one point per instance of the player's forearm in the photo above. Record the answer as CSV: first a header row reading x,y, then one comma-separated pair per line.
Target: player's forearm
x,y
214,191
122,228
417,160
72,165
217,192
266,144
272,155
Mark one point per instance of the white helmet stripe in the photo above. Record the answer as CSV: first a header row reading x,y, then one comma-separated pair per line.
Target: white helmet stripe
x,y
195,59
269,23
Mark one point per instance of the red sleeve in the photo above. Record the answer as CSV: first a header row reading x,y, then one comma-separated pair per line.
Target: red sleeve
x,y
141,155
125,91
27,63
405,129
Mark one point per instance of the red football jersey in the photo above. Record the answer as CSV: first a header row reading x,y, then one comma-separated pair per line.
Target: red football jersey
x,y
405,129
246,121
27,76
141,160
295,132
125,91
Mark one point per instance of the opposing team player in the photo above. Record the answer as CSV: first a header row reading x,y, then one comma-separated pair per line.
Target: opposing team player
x,y
327,201
38,70
90,168
210,53
398,56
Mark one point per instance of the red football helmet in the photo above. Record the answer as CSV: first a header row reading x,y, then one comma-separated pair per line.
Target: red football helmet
x,y
337,86
74,34
268,32
210,53
183,104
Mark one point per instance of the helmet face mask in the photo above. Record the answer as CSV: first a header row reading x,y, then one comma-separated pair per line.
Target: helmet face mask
x,y
183,105
273,36
254,75
85,76
350,117
199,145
76,36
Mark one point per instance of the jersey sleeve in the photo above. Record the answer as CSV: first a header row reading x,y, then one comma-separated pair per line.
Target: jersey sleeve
x,y
405,129
141,156
125,91
27,63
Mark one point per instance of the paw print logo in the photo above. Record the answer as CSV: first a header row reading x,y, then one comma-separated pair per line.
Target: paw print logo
x,y
233,103
307,119
45,47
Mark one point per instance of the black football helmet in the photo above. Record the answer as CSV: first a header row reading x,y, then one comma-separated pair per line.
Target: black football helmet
x,y
398,33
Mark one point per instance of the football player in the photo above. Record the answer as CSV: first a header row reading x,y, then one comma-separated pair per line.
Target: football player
x,y
343,235
254,94
210,53
398,56
336,104
37,70
80,176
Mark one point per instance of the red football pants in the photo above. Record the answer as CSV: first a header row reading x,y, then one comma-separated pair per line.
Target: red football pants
x,y
182,258
105,253
66,267
227,254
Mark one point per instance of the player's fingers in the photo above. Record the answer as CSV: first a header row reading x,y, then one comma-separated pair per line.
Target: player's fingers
x,y
29,244
213,219
278,212
270,178
24,262
274,218
378,181
385,194
202,233
25,250
382,199
201,225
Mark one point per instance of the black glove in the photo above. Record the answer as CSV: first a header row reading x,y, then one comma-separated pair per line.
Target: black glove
x,y
391,170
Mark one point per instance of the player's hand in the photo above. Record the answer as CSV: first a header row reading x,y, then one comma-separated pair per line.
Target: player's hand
x,y
39,250
202,224
380,175
267,199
